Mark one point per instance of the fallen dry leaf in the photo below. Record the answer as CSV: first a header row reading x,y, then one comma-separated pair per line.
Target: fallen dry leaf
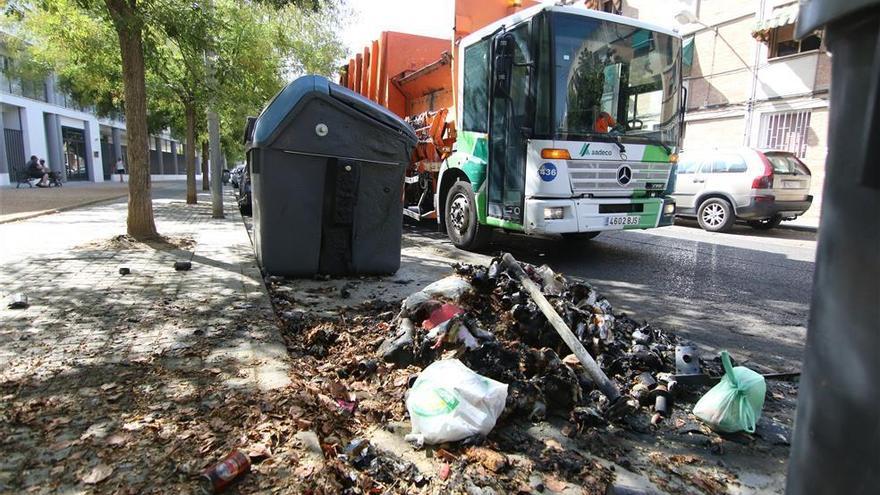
x,y
555,484
98,474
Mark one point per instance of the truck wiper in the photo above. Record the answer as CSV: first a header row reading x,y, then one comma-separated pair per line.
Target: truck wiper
x,y
616,140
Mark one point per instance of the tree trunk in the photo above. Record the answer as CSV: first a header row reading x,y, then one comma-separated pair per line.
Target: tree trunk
x,y
129,28
206,173
190,111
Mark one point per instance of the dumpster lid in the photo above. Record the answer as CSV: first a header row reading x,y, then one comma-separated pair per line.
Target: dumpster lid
x,y
276,111
817,13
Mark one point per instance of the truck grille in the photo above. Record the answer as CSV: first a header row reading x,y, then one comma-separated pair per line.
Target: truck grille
x,y
600,178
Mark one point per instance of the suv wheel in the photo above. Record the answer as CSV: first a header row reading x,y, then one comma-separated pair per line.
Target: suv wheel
x,y
715,215
462,226
767,223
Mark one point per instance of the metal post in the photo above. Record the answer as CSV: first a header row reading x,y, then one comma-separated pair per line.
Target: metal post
x,y
215,163
214,136
836,440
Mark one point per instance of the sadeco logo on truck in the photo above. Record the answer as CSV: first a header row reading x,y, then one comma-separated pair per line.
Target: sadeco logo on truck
x,y
585,150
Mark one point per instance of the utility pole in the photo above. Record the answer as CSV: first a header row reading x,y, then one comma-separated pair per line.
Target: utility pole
x,y
214,134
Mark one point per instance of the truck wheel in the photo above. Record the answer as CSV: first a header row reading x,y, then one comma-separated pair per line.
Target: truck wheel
x,y
580,236
767,223
462,226
715,215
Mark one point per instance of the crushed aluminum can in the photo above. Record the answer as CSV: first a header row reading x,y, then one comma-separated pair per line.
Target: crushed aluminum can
x,y
216,478
182,266
18,301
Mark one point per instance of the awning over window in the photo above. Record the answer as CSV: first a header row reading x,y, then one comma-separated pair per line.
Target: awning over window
x,y
781,16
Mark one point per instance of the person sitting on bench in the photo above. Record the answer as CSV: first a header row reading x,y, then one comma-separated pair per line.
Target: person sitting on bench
x,y
36,171
54,177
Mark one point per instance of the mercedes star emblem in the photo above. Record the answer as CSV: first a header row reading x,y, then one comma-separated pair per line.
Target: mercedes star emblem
x,y
624,175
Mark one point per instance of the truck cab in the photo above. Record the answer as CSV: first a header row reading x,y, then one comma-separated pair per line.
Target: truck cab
x,y
568,123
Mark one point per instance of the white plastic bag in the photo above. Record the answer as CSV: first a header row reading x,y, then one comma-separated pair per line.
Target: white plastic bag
x,y
450,288
449,402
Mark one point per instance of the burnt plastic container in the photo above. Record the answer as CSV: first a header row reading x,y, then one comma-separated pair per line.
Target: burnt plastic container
x,y
327,168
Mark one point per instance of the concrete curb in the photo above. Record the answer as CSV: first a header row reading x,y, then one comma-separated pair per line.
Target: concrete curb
x,y
27,216
803,228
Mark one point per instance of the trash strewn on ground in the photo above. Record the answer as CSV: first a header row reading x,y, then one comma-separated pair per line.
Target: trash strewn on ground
x,y
557,430
154,425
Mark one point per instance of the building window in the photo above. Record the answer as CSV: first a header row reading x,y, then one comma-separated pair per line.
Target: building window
x,y
785,131
476,87
783,42
166,146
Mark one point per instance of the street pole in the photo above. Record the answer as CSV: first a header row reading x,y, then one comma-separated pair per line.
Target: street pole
x,y
214,136
216,172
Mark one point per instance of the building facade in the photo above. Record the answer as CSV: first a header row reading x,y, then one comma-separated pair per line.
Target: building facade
x,y
40,119
749,81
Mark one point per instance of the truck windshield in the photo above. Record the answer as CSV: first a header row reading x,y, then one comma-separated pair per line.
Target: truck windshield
x,y
614,79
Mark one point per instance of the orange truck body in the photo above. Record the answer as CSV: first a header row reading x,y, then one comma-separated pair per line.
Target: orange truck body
x,y
412,74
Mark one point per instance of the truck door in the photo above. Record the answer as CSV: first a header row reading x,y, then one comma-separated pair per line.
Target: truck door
x,y
508,122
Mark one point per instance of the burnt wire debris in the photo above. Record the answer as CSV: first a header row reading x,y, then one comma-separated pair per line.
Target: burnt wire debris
x,y
486,318
357,365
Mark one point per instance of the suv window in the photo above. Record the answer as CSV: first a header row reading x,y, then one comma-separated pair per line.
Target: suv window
x,y
687,166
784,163
727,164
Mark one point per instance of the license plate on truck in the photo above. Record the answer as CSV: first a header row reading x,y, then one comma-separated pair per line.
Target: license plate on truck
x,y
623,220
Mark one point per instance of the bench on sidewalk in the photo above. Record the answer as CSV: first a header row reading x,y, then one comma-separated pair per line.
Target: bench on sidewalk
x,y
21,177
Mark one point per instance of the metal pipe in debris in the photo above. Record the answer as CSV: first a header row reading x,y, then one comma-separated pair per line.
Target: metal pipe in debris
x,y
599,377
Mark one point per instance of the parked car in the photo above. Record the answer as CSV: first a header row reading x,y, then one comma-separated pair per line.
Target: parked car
x,y
235,175
245,203
761,187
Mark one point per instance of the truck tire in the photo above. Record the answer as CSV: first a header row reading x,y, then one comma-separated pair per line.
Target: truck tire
x,y
715,215
462,226
580,236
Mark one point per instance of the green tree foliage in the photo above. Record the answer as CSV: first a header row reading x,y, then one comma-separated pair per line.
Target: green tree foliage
x,y
259,45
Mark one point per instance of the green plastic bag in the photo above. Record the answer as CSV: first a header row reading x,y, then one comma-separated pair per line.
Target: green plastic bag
x,y
735,403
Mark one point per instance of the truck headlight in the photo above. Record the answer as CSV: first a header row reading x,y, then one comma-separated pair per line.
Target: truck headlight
x,y
669,208
554,213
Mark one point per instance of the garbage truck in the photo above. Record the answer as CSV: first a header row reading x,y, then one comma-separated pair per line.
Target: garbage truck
x,y
565,121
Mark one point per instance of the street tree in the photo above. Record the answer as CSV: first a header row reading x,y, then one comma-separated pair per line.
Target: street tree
x,y
97,49
147,57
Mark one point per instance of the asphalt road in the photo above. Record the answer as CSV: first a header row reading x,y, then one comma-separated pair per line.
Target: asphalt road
x,y
745,291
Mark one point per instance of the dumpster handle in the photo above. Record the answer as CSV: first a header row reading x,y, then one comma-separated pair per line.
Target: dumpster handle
x,y
341,157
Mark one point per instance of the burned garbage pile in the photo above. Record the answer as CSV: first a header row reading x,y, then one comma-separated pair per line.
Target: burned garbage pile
x,y
485,317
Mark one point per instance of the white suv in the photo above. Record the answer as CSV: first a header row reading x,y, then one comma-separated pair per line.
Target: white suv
x,y
761,187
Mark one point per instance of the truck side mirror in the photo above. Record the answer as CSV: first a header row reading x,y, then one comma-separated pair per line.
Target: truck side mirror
x,y
502,64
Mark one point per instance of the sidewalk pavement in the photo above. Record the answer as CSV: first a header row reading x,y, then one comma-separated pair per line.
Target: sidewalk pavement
x,y
28,202
130,383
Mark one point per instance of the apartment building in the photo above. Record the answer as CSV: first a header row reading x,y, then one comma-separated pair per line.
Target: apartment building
x,y
749,81
40,119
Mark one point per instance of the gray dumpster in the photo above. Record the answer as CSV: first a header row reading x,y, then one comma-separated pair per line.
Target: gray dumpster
x,y
327,169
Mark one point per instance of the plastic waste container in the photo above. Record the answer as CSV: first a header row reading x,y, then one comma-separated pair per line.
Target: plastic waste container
x,y
327,168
